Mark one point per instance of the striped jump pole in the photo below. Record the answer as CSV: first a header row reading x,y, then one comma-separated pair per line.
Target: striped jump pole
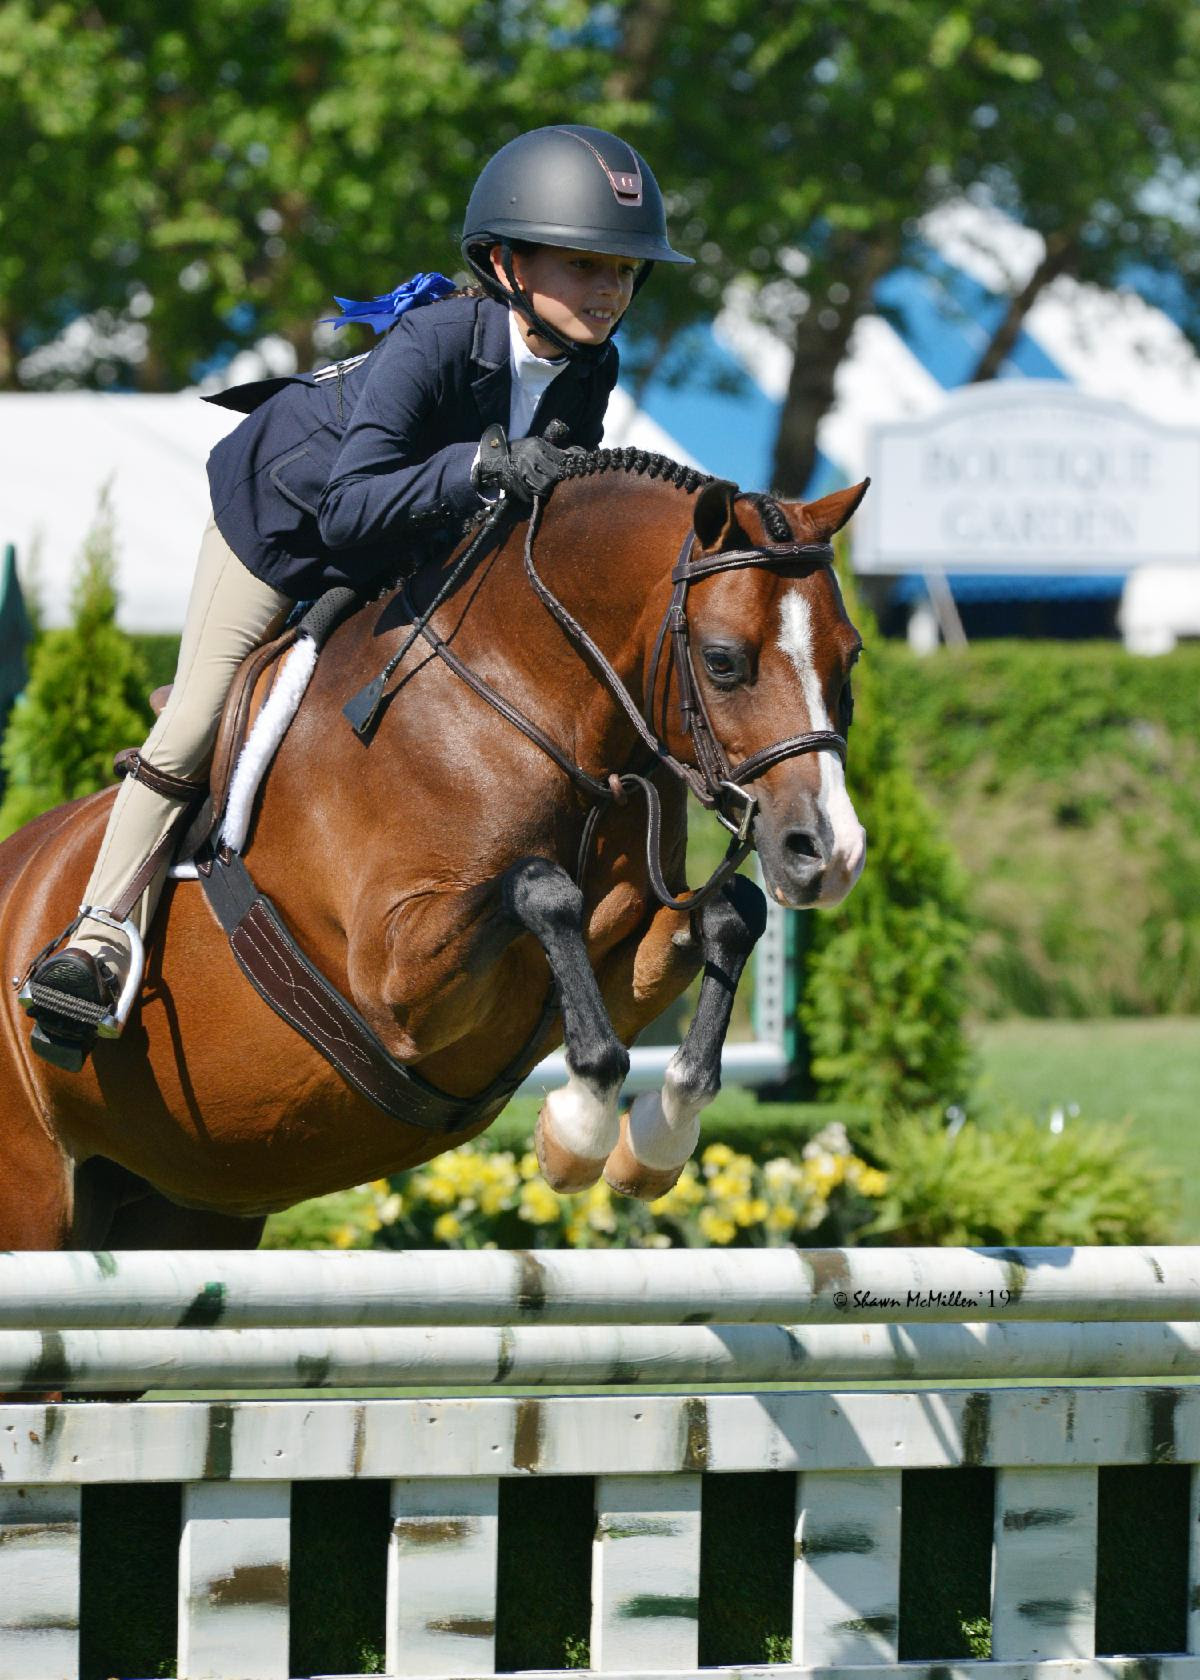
x,y
235,1291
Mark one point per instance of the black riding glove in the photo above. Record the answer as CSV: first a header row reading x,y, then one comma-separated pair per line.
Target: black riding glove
x,y
527,468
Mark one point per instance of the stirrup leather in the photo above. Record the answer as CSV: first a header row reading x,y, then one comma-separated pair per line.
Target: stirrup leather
x,y
130,763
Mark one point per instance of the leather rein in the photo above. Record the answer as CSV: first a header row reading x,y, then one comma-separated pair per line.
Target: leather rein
x,y
719,786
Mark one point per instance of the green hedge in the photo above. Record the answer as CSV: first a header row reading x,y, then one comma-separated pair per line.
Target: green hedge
x,y
1067,778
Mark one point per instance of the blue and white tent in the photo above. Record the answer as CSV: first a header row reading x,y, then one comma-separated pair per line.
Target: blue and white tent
x,y
934,320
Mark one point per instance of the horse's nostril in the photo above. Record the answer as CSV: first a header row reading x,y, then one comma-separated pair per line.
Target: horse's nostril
x,y
801,843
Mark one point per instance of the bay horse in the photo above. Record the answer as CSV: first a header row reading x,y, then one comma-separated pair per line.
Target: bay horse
x,y
428,874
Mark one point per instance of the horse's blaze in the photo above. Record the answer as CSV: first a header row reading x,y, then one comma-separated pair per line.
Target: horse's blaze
x,y
847,845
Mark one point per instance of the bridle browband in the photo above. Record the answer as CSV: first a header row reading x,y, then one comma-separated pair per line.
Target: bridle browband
x,y
715,783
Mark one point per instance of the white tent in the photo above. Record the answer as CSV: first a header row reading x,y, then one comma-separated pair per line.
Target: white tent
x,y
60,450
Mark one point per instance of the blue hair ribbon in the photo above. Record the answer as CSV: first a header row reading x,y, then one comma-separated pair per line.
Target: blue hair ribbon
x,y
381,312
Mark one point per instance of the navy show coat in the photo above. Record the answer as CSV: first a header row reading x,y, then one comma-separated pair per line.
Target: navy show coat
x,y
339,476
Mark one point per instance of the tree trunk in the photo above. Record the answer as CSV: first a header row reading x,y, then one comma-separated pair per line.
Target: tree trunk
x,y
820,346
1060,251
8,358
644,27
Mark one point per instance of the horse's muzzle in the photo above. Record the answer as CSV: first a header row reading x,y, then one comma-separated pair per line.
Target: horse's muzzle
x,y
793,865
803,865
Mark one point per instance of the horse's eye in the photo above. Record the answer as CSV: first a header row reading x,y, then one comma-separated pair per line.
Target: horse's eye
x,y
725,666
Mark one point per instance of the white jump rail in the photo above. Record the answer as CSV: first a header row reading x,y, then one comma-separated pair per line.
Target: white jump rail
x,y
236,1290
446,1458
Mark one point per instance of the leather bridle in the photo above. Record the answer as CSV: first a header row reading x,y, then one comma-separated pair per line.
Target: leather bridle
x,y
715,781
716,784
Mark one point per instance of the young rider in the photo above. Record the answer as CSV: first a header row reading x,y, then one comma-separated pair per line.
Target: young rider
x,y
370,466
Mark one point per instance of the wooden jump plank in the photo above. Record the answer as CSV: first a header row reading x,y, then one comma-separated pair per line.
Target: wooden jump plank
x,y
846,1605
1044,1564
1194,1561
538,1355
441,1591
39,1583
594,1435
646,1573
234,1573
1098,1668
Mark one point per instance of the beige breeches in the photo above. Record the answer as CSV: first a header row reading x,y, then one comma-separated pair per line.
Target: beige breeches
x,y
230,613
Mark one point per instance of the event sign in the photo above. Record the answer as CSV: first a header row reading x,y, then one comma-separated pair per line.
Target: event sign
x,y
1029,475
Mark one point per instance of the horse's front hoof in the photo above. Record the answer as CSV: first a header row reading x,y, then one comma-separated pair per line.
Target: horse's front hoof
x,y
627,1175
563,1170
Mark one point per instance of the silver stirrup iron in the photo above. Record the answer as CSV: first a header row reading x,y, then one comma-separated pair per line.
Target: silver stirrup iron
x,y
113,1021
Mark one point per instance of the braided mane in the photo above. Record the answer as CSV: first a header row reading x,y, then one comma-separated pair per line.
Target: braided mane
x,y
645,463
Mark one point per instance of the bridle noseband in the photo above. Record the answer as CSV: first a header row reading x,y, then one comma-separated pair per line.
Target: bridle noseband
x,y
718,785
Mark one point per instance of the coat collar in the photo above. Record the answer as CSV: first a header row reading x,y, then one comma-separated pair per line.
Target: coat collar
x,y
491,385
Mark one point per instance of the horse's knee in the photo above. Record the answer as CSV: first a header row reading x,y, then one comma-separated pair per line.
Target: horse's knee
x,y
733,920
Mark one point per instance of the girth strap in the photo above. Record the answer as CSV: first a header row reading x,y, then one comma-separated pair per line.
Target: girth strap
x,y
299,994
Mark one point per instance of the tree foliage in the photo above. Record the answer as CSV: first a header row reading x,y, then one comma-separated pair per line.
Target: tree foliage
x,y
85,698
190,181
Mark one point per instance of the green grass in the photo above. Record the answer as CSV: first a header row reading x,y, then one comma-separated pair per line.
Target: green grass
x,y
1144,1071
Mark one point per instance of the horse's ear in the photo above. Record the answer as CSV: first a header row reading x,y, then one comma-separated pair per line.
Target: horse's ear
x,y
831,512
712,517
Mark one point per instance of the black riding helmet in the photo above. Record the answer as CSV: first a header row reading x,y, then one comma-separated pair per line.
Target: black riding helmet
x,y
580,188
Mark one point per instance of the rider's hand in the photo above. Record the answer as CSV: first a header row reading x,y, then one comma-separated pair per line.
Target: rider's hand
x,y
527,468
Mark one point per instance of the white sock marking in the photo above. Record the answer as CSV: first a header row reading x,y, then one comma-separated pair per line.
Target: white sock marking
x,y
584,1118
664,1132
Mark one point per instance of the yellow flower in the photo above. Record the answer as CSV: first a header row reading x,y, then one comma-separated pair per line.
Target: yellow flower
x,y
529,1165
781,1218
717,1155
824,1171
539,1204
346,1236
714,1228
599,1204
749,1210
389,1208
872,1182
781,1175
493,1199
439,1190
447,1228
727,1186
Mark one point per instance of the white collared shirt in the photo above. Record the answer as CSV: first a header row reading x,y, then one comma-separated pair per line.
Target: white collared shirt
x,y
531,379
